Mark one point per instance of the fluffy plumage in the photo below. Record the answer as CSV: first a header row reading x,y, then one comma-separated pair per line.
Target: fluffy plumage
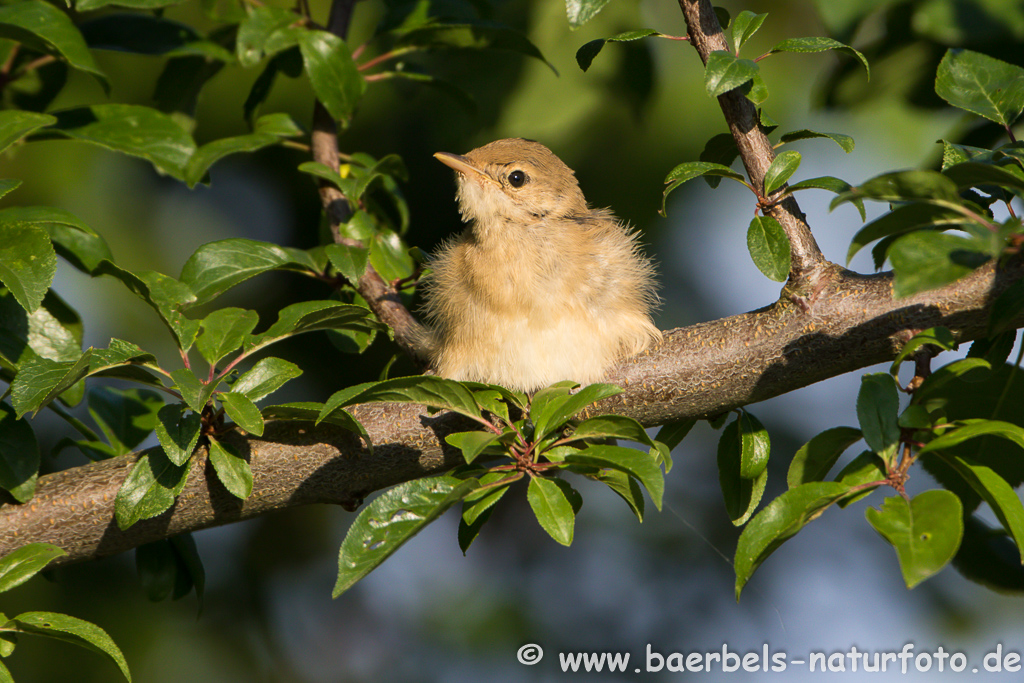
x,y
541,287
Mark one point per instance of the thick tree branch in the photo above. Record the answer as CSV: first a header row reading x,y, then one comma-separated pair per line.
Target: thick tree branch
x,y
382,298
698,371
756,151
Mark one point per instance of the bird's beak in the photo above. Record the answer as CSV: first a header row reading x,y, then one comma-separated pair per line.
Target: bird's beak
x,y
463,166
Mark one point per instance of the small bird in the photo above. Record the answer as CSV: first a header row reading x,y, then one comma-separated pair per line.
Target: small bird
x,y
541,287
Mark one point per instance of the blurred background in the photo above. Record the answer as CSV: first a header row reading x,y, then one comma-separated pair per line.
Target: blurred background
x,y
430,614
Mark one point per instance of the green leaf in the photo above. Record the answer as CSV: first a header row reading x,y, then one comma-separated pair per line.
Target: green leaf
x,y
585,55
18,566
310,316
626,487
744,26
8,185
977,174
265,377
389,256
141,33
553,406
157,568
816,457
769,247
636,463
472,444
845,142
968,368
1006,308
995,491
218,266
14,125
474,36
972,429
552,508
672,433
427,390
126,416
613,426
741,494
232,469
902,220
70,630
779,521
580,12
195,392
212,152
53,331
933,336
27,262
725,71
925,532
819,44
981,84
149,489
41,26
130,129
782,169
878,405
866,468
350,261
178,432
40,380
256,28
332,72
922,261
72,239
166,295
831,184
390,520
224,331
695,169
88,5
19,455
903,186
243,411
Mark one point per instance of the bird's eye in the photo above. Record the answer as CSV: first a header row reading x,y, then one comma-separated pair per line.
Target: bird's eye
x,y
516,178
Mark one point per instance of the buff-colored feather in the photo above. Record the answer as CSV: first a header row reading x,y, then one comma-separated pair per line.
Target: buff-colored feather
x,y
540,288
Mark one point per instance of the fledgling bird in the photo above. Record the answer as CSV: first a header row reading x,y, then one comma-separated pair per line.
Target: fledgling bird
x,y
541,287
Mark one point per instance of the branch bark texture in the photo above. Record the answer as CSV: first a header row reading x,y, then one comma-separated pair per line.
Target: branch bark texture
x,y
828,322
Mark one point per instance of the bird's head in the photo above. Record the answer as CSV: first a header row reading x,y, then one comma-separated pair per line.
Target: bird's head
x,y
514,181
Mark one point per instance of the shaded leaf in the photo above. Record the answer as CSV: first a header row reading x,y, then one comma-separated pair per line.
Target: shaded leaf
x,y
904,219
178,432
426,390
126,416
218,266
922,261
878,405
41,26
779,521
585,55
816,457
310,316
940,337
70,630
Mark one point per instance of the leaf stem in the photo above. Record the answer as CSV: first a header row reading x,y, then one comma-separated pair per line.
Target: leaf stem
x,y
79,426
